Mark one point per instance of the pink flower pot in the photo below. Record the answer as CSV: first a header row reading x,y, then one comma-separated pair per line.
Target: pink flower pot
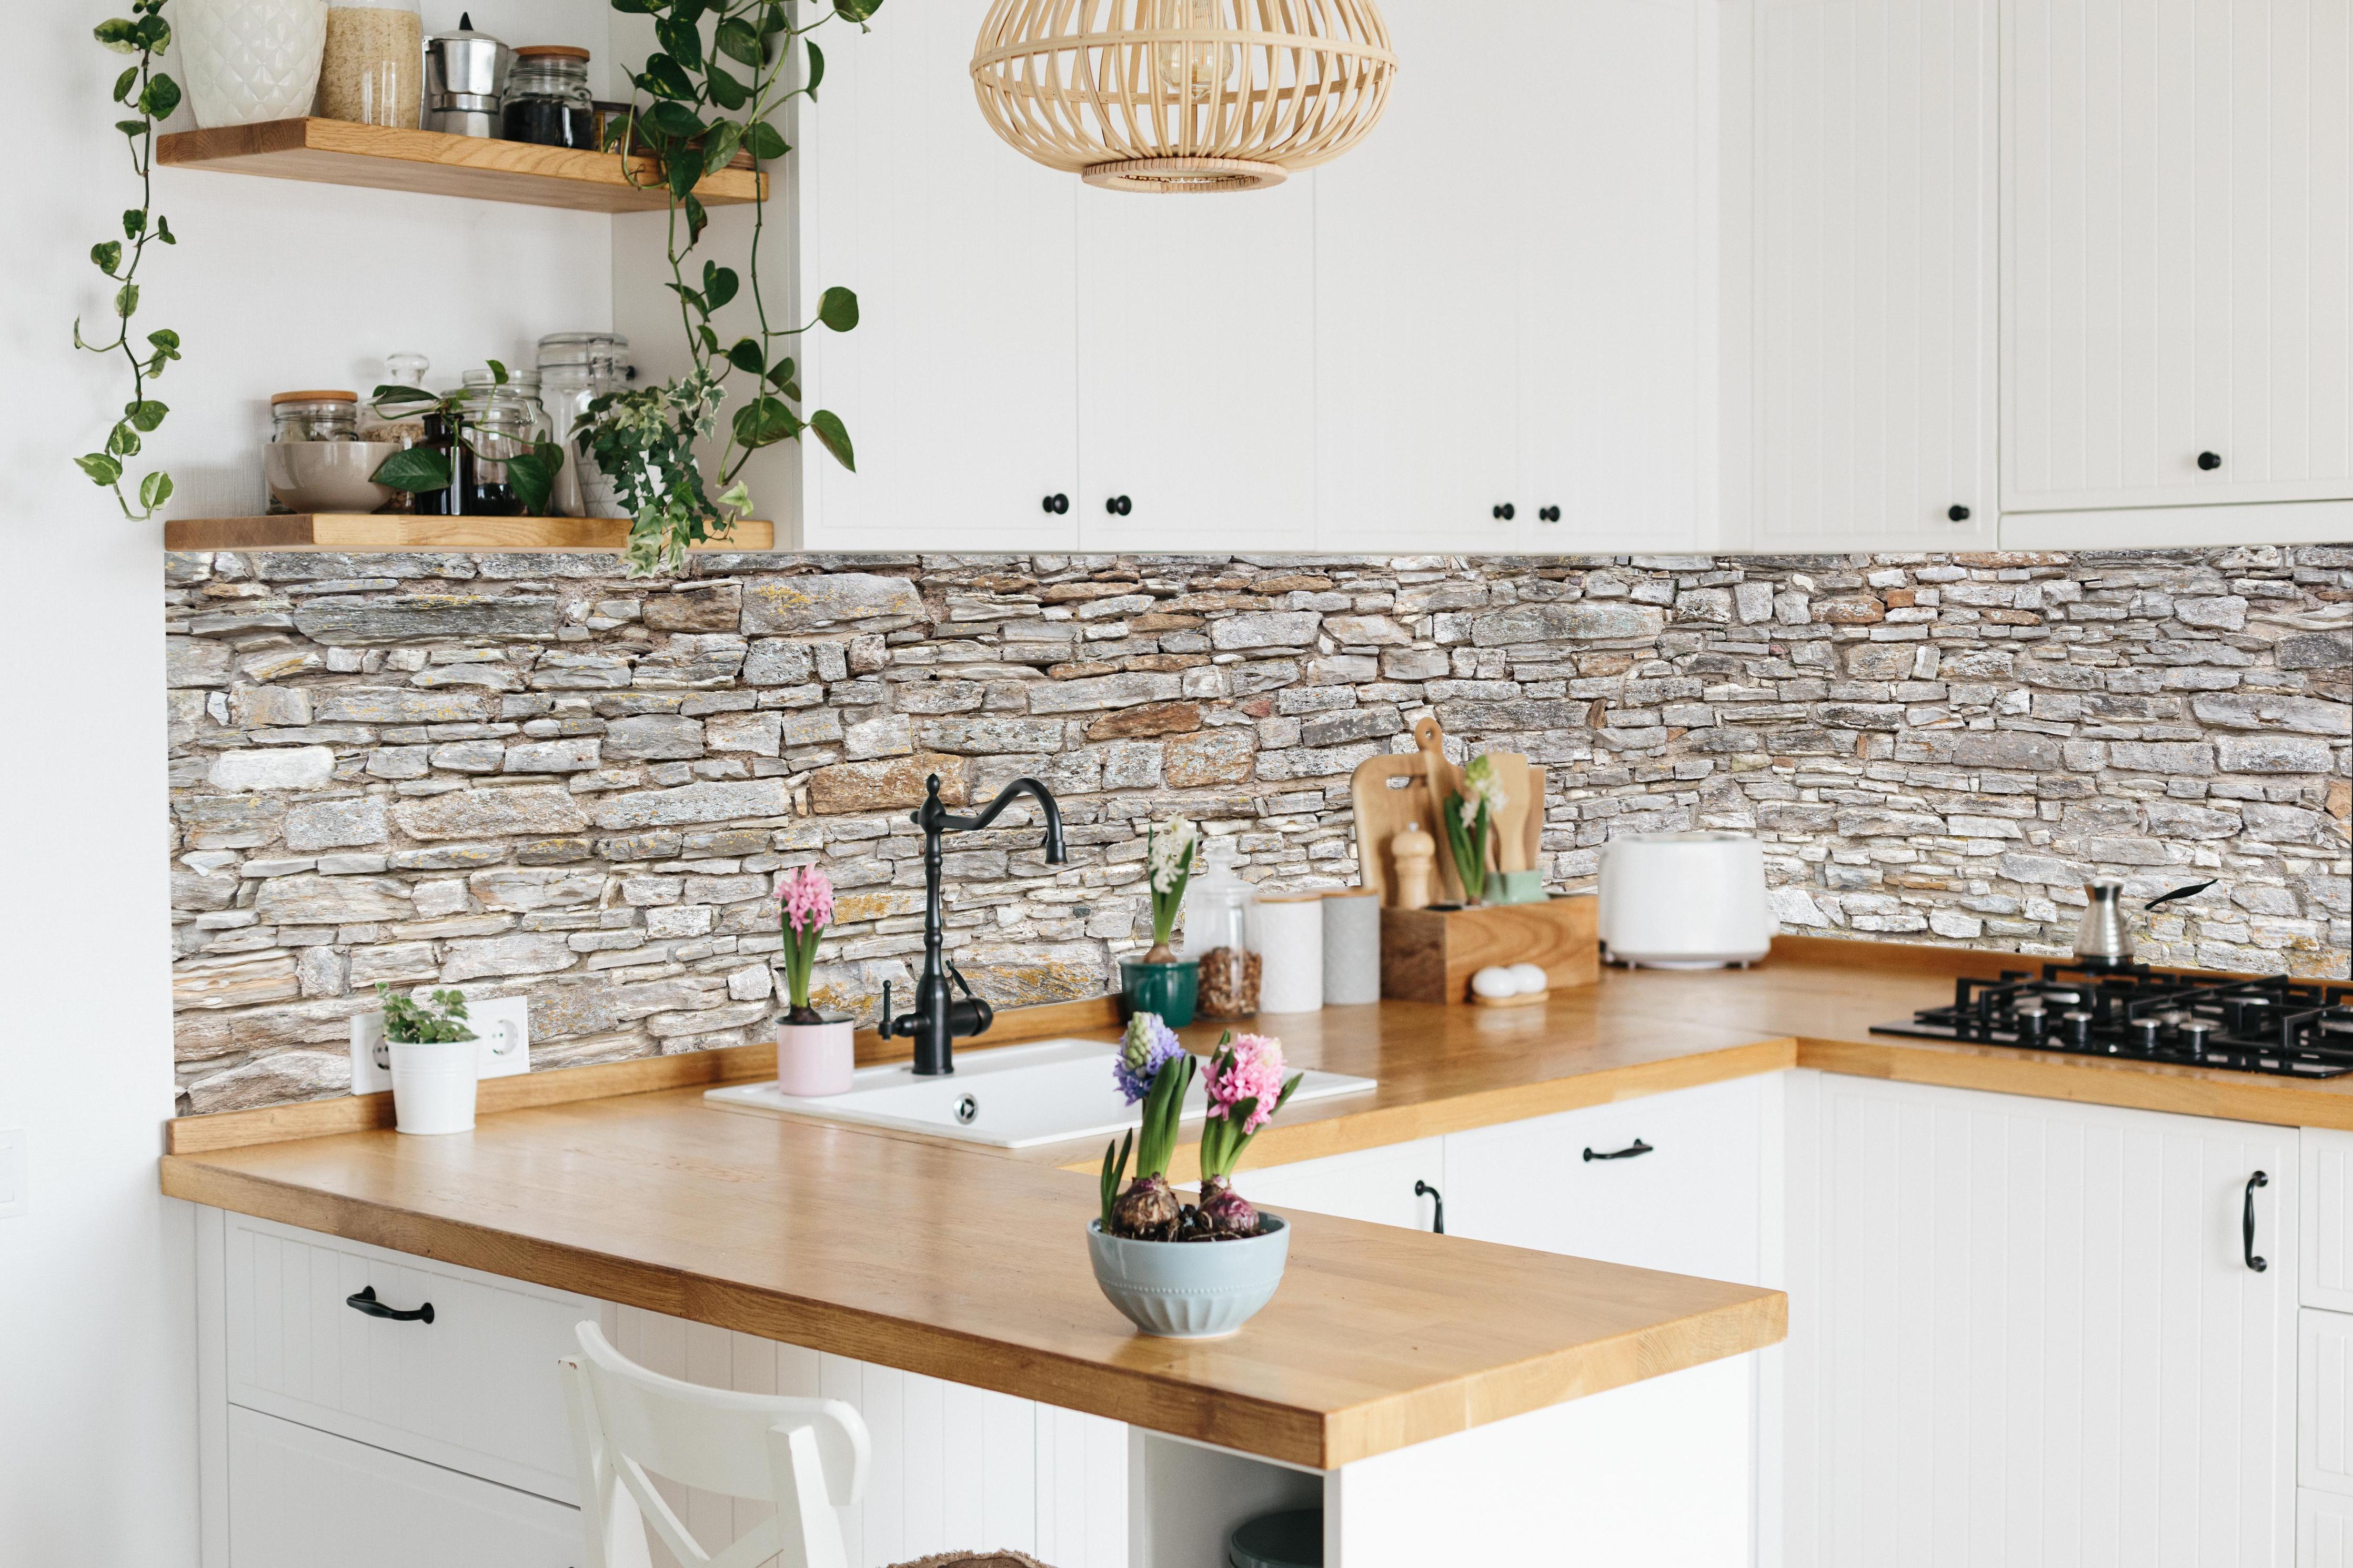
x,y
814,1059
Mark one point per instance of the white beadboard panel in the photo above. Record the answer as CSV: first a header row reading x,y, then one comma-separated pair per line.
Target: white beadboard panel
x,y
2178,272
2324,1401
1195,354
954,1468
959,385
2323,1531
2023,1331
475,1389
2326,1278
301,1498
1874,257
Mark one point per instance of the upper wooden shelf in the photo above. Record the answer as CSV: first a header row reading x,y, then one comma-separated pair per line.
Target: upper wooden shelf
x,y
375,531
339,152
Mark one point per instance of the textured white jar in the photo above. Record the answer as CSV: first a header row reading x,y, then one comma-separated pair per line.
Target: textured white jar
x,y
246,62
1291,951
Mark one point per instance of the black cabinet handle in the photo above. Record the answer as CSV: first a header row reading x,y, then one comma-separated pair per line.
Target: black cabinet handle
x,y
366,1302
1632,1150
1957,513
2209,461
1119,506
2247,1226
1057,504
1507,511
1438,1221
1549,514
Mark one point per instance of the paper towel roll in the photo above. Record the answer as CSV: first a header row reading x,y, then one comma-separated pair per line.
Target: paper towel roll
x,y
1291,948
1352,947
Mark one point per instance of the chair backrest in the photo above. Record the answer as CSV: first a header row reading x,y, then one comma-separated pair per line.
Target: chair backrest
x,y
808,1457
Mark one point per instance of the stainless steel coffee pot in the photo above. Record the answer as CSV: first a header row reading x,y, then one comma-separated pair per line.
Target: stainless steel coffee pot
x,y
2104,940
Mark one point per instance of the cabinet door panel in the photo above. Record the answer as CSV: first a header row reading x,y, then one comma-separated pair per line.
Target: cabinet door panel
x,y
299,1499
1196,347
1374,1185
2022,1330
1688,1202
959,385
1875,256
2178,276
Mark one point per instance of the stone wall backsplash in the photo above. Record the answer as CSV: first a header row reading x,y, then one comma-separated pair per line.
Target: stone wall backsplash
x,y
529,774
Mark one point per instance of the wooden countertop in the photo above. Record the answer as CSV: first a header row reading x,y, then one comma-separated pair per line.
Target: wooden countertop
x,y
966,1264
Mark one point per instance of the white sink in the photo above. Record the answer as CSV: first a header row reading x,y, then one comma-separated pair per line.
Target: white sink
x,y
1013,1097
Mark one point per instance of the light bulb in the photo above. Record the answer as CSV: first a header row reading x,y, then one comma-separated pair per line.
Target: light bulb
x,y
1194,70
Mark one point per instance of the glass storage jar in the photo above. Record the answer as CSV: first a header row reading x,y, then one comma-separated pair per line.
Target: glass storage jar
x,y
498,421
373,70
1221,932
396,427
574,369
548,101
314,416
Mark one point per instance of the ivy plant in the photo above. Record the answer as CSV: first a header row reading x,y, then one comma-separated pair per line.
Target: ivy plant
x,y
150,96
719,77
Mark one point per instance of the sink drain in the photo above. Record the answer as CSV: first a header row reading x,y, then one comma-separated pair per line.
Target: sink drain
x,y
967,1110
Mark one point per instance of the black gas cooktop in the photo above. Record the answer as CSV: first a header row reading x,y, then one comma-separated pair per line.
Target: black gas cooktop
x,y
2298,1028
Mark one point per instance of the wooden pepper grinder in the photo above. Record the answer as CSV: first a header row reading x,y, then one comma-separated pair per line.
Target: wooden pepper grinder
x,y
1416,854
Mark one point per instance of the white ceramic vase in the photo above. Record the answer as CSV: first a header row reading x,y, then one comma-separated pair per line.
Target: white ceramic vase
x,y
433,1086
815,1059
246,62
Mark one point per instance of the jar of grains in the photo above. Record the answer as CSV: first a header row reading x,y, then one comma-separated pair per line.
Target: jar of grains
x,y
548,101
1221,932
314,416
374,72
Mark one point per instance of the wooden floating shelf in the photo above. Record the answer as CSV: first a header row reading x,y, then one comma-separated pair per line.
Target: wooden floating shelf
x,y
339,152
378,532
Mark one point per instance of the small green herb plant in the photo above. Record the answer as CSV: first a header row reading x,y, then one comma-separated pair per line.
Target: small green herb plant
x,y
708,91
440,1020
150,96
424,469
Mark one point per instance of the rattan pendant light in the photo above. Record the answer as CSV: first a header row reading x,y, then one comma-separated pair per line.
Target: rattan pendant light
x,y
1183,95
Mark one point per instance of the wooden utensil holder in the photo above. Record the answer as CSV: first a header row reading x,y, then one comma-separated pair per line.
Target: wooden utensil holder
x,y
1430,955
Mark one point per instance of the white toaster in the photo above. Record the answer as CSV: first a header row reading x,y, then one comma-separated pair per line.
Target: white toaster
x,y
1685,900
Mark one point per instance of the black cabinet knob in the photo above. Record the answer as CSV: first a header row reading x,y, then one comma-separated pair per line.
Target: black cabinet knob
x,y
1550,514
1507,511
1119,506
1957,513
2209,461
1057,504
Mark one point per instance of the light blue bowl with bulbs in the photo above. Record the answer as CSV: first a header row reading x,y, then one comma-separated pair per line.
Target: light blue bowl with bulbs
x,y
1191,1290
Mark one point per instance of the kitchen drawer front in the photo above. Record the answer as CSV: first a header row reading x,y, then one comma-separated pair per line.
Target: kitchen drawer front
x,y
2323,1531
475,1389
299,1499
1690,1202
2324,1401
2326,1276
1374,1185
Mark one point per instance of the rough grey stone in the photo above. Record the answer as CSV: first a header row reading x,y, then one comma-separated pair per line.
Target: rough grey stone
x,y
1587,621
1106,691
2316,650
774,605
1265,629
335,823
418,617
533,810
401,705
2272,755
572,756
194,662
653,737
313,900
695,803
291,768
520,952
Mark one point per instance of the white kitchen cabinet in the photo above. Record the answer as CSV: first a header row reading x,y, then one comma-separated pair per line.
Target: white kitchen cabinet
x,y
1870,249
2025,1330
2326,1278
1373,1184
2323,1531
1669,1181
2178,276
2324,1401
300,1497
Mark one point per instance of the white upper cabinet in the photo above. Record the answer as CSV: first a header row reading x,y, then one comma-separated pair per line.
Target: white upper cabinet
x,y
959,385
2178,258
1872,403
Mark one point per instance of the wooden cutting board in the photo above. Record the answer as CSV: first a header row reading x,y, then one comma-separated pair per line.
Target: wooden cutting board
x,y
1387,793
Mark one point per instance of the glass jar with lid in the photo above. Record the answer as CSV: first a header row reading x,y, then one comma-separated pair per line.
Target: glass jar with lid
x,y
497,421
1221,933
314,416
574,369
547,99
399,424
373,68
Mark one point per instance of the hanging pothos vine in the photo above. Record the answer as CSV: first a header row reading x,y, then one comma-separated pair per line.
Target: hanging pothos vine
x,y
708,93
150,96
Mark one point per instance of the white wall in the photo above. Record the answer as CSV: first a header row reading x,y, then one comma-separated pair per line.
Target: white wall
x,y
274,285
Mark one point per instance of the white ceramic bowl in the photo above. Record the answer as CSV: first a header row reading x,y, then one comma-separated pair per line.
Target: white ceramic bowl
x,y
327,475
1190,1289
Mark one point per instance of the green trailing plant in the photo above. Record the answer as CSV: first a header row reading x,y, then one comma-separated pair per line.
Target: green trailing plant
x,y
422,469
440,1020
709,90
150,96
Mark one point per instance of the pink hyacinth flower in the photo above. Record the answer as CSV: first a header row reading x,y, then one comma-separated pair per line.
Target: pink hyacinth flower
x,y
1254,1072
807,894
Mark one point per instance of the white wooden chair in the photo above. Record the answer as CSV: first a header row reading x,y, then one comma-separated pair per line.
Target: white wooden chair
x,y
808,1457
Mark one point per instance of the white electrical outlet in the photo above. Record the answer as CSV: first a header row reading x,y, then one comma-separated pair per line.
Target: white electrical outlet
x,y
501,1034
13,1196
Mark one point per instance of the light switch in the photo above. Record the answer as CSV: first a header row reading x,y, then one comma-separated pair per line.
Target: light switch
x,y
12,1195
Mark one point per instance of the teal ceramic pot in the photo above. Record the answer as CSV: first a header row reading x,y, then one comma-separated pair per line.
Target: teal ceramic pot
x,y
1190,1289
1167,989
